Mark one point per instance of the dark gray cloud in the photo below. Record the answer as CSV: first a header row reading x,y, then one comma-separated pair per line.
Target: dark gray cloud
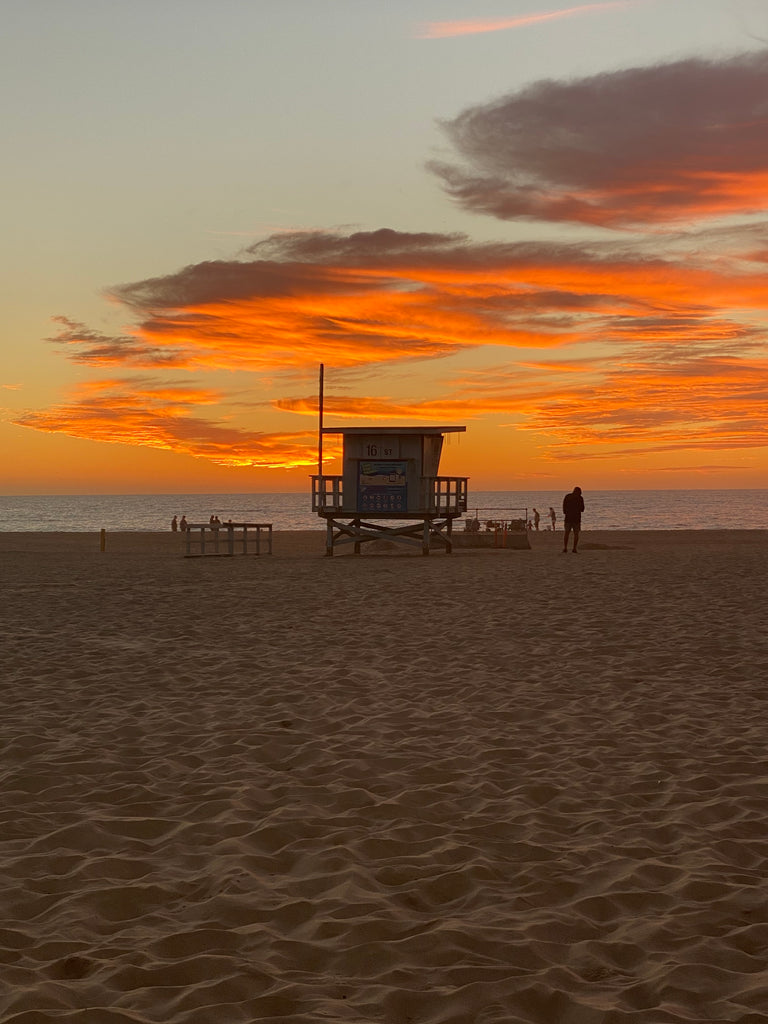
x,y
641,146
361,248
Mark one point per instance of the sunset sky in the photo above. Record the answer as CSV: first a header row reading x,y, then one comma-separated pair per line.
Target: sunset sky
x,y
548,223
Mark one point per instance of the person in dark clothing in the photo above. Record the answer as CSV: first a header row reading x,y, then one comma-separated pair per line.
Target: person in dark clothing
x,y
573,506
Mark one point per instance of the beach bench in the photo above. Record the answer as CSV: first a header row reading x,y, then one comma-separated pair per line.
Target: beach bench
x,y
205,539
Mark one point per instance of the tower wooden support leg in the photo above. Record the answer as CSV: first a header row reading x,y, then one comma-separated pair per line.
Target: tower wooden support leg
x,y
329,538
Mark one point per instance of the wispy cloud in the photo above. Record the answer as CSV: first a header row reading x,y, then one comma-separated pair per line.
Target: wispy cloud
x,y
155,414
473,26
96,349
706,400
372,408
703,469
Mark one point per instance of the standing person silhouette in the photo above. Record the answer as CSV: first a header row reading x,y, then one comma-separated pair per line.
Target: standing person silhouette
x,y
573,506
536,518
553,517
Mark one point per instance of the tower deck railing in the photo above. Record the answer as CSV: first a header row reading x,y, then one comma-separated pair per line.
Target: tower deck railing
x,y
445,495
448,494
327,493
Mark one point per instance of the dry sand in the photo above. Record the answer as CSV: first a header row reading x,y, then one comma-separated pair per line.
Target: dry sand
x,y
499,786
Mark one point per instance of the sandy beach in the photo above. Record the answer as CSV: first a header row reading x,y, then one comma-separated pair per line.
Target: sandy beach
x,y
486,788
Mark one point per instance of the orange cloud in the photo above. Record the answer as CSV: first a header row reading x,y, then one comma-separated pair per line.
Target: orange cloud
x,y
362,407
146,413
381,298
471,26
646,404
635,348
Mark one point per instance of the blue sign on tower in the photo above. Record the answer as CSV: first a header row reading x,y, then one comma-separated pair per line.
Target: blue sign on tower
x,y
382,486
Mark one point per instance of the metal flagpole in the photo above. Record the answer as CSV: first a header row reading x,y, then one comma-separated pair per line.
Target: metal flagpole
x,y
320,428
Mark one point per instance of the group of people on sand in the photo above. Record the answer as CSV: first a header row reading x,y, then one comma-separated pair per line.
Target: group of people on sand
x,y
181,524
533,524
573,506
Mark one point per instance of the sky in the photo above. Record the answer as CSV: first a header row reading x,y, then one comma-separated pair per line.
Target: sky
x,y
547,223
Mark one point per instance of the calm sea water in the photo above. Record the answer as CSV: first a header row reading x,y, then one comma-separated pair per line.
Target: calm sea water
x,y
605,510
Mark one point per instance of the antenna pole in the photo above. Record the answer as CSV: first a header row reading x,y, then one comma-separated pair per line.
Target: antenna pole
x,y
320,427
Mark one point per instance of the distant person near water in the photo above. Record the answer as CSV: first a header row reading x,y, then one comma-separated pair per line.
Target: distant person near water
x,y
536,519
573,506
553,517
183,524
174,524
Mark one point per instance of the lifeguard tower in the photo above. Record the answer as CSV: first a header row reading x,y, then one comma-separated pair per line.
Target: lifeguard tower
x,y
389,474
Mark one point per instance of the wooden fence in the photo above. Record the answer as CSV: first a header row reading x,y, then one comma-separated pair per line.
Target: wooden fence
x,y
227,539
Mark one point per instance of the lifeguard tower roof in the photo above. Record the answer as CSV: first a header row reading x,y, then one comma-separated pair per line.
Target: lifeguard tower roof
x,y
394,430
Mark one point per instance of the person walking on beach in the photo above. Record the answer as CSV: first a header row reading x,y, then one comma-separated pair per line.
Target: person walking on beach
x,y
536,518
174,524
553,517
183,524
573,506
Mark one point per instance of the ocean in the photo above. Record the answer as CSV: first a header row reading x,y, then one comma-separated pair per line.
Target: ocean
x,y
605,510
